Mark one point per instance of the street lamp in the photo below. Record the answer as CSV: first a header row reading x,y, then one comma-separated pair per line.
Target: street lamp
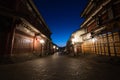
x,y
42,42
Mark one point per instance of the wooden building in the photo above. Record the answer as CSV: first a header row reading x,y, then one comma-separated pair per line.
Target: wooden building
x,y
102,23
74,44
23,30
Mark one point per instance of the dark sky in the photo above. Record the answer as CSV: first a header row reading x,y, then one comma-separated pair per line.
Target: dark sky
x,y
62,17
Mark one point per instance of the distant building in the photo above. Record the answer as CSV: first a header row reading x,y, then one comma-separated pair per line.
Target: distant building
x,y
74,43
23,30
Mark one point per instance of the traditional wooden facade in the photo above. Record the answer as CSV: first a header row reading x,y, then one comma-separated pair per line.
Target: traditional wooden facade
x,y
22,29
102,23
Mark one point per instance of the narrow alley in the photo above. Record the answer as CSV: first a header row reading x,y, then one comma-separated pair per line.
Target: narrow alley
x,y
59,39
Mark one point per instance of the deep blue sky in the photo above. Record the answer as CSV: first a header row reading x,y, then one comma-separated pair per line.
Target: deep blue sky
x,y
62,17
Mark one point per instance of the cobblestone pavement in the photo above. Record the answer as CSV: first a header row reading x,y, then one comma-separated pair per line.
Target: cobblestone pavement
x,y
60,67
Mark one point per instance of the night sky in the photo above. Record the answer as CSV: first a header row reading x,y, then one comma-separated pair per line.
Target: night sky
x,y
62,17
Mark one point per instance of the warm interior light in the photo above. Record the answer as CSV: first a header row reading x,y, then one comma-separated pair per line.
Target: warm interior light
x,y
42,41
54,47
94,39
73,40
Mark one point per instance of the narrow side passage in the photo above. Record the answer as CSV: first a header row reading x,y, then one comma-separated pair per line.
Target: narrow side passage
x,y
60,67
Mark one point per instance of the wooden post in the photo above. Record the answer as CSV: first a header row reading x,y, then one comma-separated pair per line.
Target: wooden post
x,y
114,45
103,44
108,45
94,47
34,38
119,40
100,44
10,40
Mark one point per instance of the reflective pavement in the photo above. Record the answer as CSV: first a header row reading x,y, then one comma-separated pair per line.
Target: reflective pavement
x,y
61,67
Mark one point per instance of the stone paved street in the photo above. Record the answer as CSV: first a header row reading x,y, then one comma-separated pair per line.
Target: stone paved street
x,y
61,67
